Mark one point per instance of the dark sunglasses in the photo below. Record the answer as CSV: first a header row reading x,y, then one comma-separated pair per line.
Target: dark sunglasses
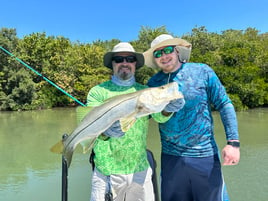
x,y
120,59
166,50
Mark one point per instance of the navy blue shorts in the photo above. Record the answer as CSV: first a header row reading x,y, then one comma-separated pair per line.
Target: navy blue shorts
x,y
192,179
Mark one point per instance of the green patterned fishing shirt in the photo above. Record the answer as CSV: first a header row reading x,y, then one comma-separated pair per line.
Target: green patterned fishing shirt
x,y
126,154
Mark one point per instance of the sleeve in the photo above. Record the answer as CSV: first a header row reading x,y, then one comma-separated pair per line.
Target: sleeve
x,y
221,101
95,96
93,99
216,91
229,120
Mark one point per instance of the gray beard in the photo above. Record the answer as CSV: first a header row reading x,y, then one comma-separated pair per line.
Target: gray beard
x,y
125,76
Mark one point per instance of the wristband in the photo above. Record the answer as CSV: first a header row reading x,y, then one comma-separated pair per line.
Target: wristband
x,y
234,143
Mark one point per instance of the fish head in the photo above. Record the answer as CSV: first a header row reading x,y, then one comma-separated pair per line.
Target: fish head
x,y
155,99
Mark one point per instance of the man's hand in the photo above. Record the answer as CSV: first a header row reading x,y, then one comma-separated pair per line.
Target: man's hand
x,y
231,155
175,105
114,130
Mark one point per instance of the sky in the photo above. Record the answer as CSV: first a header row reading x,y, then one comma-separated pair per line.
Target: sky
x,y
86,21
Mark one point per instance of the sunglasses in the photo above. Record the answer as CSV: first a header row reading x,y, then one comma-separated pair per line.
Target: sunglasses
x,y
120,59
166,50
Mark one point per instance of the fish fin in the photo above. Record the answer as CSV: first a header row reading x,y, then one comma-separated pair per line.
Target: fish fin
x,y
87,144
57,148
127,122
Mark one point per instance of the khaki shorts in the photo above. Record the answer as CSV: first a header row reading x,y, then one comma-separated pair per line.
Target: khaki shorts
x,y
130,187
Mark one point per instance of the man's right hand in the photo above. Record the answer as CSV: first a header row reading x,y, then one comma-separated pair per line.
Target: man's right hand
x,y
114,130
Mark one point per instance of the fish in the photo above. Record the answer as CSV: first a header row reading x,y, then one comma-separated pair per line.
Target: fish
x,y
126,108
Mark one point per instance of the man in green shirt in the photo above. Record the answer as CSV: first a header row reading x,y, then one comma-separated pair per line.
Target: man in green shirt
x,y
120,159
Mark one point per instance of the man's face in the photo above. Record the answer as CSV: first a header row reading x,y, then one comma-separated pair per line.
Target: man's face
x,y
168,62
124,68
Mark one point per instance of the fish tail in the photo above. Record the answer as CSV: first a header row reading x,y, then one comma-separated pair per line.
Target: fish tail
x,y
57,148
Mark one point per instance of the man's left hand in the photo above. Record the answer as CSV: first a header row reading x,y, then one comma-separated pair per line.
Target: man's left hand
x,y
175,105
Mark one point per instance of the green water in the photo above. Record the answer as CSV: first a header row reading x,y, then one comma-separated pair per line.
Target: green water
x,y
29,171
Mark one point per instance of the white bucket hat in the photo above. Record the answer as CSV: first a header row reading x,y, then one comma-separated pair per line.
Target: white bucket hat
x,y
123,47
184,48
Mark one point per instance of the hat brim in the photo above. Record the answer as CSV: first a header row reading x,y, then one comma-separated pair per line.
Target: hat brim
x,y
186,51
107,59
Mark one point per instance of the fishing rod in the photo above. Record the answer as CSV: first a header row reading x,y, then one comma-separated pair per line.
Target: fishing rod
x,y
64,184
39,74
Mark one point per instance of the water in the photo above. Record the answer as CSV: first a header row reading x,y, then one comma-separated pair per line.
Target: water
x,y
29,171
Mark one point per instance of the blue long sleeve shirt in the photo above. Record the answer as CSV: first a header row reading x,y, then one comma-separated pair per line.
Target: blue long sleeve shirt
x,y
189,132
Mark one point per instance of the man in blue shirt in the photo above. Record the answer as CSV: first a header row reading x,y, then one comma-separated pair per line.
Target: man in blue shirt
x,y
190,164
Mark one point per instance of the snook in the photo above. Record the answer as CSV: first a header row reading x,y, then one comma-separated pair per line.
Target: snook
x,y
126,108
